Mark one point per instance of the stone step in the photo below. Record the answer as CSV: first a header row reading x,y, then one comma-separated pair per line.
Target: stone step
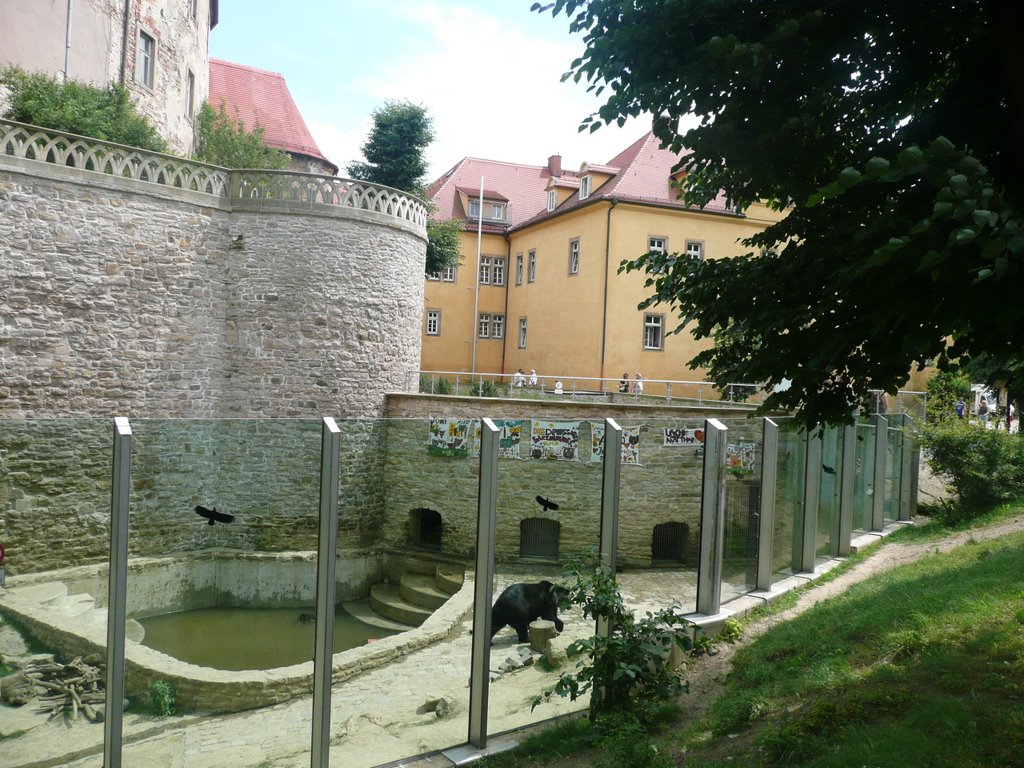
x,y
360,609
419,589
386,599
76,605
44,594
449,578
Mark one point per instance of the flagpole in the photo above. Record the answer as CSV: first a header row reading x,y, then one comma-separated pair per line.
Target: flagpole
x,y
476,294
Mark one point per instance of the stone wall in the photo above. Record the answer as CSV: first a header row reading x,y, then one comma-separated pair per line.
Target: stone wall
x,y
130,298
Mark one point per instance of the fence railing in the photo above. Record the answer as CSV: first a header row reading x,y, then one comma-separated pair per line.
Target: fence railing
x,y
29,142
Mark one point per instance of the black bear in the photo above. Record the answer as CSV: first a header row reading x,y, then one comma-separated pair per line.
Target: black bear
x,y
520,604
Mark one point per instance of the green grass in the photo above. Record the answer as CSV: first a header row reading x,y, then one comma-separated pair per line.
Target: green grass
x,y
922,665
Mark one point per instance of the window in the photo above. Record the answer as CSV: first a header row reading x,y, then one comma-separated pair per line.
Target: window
x,y
498,211
519,269
654,335
531,267
492,211
491,326
146,67
433,322
190,94
485,270
659,244
498,275
193,8
522,333
447,275
695,248
492,270
551,199
584,188
574,256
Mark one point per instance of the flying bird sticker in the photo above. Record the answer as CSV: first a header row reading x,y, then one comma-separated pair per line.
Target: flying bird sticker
x,y
213,515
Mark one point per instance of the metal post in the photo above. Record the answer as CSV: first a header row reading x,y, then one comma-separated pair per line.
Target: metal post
x,y
847,486
610,474
487,502
117,589
326,582
812,498
766,514
906,471
878,479
712,519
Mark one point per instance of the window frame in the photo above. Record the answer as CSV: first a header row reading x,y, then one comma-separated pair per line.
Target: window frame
x,y
193,9
145,60
699,245
497,326
437,322
654,321
523,328
484,270
531,266
574,256
483,325
663,248
498,270
585,187
552,200
519,269
190,94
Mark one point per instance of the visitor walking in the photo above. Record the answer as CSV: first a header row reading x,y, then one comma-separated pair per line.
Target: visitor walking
x,y
983,411
961,408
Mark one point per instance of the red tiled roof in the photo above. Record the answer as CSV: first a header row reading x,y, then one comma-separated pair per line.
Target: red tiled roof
x,y
642,173
258,97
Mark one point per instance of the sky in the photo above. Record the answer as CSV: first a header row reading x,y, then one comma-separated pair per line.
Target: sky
x,y
489,75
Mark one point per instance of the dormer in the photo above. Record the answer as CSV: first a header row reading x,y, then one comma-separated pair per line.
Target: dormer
x,y
592,177
495,205
560,189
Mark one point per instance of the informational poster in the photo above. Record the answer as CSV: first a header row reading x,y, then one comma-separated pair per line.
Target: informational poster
x,y
509,437
449,437
680,436
740,458
630,443
555,440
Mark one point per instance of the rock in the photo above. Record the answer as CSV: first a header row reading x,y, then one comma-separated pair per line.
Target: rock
x,y
445,706
557,651
429,704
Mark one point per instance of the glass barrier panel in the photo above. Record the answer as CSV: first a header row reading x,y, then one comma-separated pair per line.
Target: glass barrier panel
x,y
55,481
659,521
743,454
863,487
893,469
827,544
789,499
222,589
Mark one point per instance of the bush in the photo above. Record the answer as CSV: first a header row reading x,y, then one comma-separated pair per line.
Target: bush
x,y
983,466
76,107
162,698
943,390
489,389
225,141
628,670
443,387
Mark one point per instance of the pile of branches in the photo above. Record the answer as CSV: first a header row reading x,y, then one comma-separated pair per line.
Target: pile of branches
x,y
75,687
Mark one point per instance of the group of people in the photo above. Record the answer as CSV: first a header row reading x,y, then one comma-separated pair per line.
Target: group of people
x,y
638,384
985,411
519,378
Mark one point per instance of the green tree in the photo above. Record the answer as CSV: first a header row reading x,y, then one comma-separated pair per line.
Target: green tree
x,y
394,153
225,141
889,132
107,114
944,389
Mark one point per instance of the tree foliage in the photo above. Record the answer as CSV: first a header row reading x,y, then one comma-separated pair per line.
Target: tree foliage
x,y
395,149
107,114
944,389
889,132
225,141
394,153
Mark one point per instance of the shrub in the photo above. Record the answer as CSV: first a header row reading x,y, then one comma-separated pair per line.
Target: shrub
x,y
489,389
162,698
627,670
76,107
225,141
943,390
443,387
983,466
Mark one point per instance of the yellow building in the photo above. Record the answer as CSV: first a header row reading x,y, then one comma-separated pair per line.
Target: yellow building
x,y
550,242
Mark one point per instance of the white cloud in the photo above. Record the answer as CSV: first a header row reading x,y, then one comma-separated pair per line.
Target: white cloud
x,y
493,90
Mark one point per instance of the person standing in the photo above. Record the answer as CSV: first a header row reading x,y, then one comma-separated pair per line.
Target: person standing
x,y
624,383
983,411
518,378
638,384
961,408
533,377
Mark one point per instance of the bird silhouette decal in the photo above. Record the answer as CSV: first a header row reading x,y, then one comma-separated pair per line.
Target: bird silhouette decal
x,y
213,515
828,470
548,505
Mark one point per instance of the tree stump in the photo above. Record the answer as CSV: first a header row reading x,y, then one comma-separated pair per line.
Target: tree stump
x,y
541,631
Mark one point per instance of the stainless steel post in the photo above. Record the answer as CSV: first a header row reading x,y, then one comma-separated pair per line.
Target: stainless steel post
x,y
611,470
712,519
878,479
846,489
766,514
812,498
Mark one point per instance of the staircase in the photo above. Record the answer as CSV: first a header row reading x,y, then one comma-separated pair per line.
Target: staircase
x,y
409,603
77,610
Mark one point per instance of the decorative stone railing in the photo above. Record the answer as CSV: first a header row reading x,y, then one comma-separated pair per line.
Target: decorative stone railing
x,y
30,142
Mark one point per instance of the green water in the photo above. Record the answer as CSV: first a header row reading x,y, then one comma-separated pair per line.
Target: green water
x,y
249,638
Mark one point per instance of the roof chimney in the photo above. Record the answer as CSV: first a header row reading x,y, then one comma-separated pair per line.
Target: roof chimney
x,y
555,165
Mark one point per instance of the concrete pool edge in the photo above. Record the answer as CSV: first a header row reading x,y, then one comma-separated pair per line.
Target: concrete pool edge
x,y
201,688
